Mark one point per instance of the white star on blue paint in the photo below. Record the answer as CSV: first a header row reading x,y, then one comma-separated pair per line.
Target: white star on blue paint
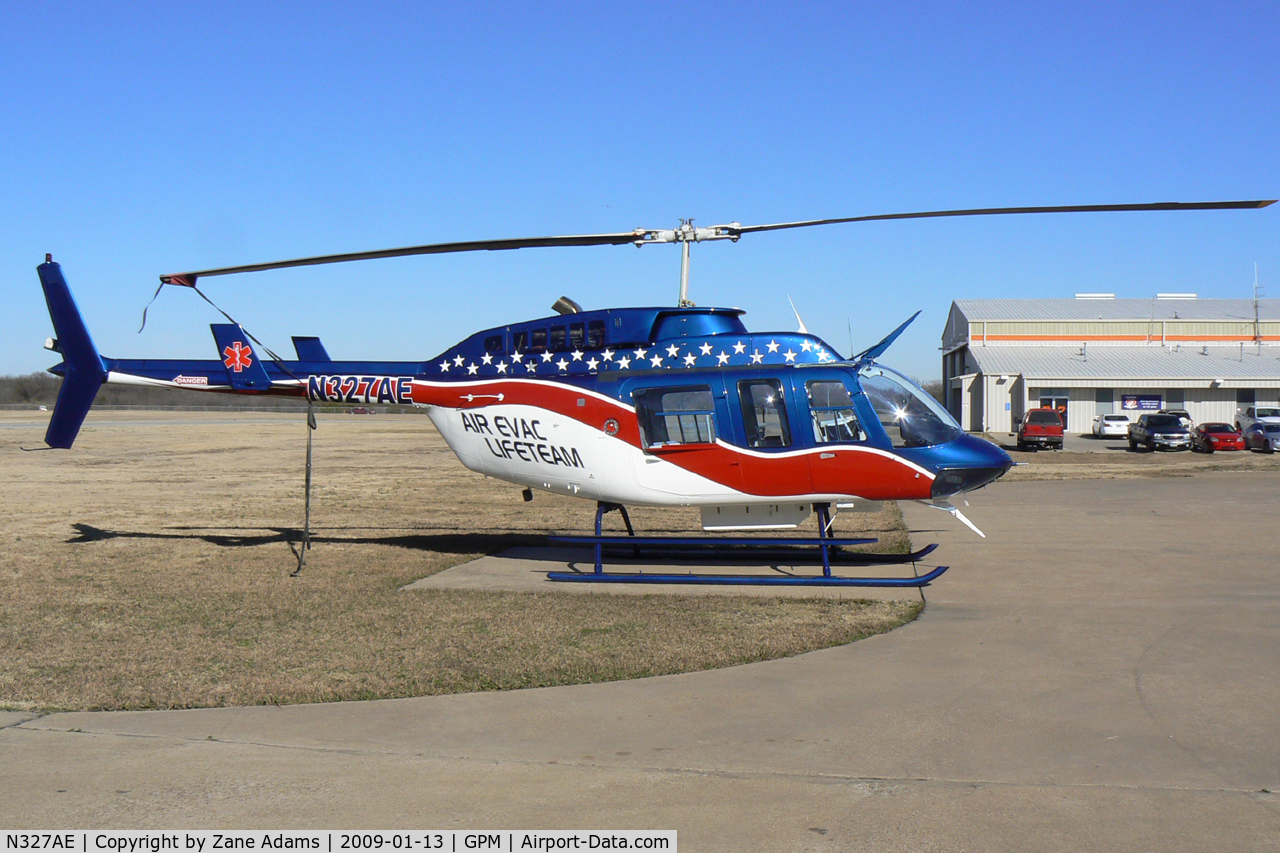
x,y
577,355
593,363
641,353
807,346
705,348
722,357
773,346
502,367
532,367
624,362
673,350
739,348
546,357
756,357
690,359
487,359
608,355
472,368
656,360
517,356
444,366
791,356
459,360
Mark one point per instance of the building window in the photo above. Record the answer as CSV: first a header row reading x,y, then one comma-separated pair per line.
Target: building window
x,y
1246,397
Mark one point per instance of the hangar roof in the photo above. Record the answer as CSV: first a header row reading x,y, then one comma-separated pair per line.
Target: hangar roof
x,y
1120,363
1116,309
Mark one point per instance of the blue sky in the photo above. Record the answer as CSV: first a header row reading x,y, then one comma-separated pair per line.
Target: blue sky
x,y
158,138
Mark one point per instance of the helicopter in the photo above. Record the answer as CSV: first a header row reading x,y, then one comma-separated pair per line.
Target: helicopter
x,y
654,406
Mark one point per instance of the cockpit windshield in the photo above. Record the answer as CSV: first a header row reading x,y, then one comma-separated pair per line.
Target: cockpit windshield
x,y
910,415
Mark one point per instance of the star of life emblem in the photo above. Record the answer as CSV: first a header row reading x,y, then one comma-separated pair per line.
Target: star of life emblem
x,y
238,356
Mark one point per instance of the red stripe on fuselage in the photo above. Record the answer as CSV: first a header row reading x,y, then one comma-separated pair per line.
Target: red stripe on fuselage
x,y
848,469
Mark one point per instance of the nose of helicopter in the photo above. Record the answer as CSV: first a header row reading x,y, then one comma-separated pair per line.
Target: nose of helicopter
x,y
966,464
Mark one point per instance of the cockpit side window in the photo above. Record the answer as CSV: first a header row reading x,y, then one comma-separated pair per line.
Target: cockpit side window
x,y
764,413
831,409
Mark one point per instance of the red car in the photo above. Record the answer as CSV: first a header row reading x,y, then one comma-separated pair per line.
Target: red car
x,y
1041,428
1211,437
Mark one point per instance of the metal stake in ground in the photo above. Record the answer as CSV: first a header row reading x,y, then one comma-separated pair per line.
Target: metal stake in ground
x,y
306,518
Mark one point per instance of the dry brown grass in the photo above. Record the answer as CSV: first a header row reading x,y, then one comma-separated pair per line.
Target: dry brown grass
x,y
149,568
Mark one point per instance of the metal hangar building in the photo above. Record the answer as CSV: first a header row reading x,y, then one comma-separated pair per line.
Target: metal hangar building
x,y
1096,354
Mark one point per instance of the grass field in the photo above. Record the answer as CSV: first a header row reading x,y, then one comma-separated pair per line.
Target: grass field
x,y
149,568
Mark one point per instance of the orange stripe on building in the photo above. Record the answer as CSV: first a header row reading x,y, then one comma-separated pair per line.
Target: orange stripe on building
x,y
1153,338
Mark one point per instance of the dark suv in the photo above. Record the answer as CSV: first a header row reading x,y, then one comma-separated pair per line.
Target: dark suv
x,y
1159,431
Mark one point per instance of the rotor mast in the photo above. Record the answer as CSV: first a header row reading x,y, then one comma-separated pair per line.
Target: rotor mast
x,y
685,235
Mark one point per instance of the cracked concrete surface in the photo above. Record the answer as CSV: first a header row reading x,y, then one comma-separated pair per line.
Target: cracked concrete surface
x,y
1100,673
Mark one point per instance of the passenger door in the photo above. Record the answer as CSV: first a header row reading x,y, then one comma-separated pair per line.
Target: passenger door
x,y
835,425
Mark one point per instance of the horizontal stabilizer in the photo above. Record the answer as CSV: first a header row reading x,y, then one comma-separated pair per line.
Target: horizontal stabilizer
x,y
310,349
82,369
244,364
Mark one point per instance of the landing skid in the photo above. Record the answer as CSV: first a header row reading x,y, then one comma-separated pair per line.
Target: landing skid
x,y
754,549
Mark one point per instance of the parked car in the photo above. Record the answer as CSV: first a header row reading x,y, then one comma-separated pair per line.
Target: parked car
x,y
1262,437
1181,414
1212,436
1105,426
1041,428
1155,430
362,410
1247,417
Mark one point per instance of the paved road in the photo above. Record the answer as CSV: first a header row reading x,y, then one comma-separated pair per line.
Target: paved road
x,y
1101,673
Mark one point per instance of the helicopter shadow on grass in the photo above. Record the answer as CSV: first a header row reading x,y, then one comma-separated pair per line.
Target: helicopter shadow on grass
x,y
442,542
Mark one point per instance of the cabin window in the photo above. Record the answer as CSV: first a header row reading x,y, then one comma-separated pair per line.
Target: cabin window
x,y
831,408
595,334
577,335
557,339
671,416
764,413
520,341
493,343
539,340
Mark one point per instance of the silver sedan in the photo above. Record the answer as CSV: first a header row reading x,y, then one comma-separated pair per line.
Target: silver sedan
x,y
1262,437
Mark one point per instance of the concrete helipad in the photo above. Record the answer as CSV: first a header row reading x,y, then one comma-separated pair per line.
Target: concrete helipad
x,y
1101,673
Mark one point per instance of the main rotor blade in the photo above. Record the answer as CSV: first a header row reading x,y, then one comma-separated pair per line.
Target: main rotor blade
x,y
428,249
642,236
999,211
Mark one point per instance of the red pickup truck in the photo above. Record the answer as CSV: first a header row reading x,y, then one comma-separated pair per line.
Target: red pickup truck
x,y
1040,428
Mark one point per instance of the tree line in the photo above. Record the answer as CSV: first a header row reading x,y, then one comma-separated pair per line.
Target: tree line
x,y
41,389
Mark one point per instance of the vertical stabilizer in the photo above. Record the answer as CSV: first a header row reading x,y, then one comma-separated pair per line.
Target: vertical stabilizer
x,y
244,365
82,369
